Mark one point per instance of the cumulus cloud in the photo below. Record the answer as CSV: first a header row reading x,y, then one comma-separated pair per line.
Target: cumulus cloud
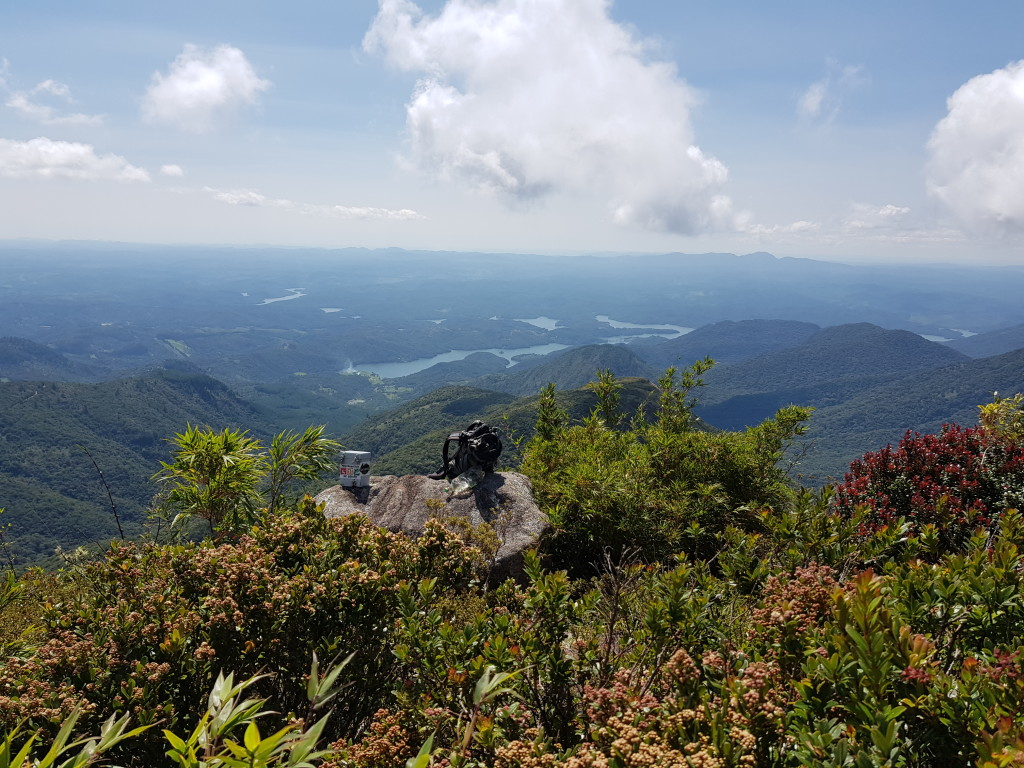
x,y
201,87
47,159
252,198
172,170
823,98
525,98
976,152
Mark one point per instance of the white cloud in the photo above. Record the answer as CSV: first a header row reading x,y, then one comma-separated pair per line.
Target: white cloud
x,y
824,98
172,170
247,197
252,198
795,228
812,102
865,217
862,223
55,88
32,105
47,115
526,98
44,158
976,163
201,87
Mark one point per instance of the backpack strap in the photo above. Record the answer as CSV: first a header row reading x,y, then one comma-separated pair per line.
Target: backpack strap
x,y
454,437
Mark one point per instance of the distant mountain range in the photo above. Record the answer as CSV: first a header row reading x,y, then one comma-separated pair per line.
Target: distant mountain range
x,y
259,316
829,367
728,342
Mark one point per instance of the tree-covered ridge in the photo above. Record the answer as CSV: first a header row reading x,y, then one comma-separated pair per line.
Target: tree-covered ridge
x,y
25,360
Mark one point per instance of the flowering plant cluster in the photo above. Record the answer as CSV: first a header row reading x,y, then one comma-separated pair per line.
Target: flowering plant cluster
x,y
913,663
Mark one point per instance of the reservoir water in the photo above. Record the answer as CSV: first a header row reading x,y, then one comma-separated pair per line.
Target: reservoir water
x,y
675,331
397,370
294,293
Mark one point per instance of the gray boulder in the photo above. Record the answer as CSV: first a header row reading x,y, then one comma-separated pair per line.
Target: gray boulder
x,y
502,499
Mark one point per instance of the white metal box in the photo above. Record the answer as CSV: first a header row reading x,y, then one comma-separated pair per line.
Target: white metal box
x,y
354,470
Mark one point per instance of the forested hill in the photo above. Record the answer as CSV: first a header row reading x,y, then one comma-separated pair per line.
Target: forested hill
x,y
992,343
922,402
408,439
829,367
570,369
47,482
25,360
728,341
447,409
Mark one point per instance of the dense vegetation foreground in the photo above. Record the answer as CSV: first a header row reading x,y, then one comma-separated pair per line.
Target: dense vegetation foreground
x,y
689,609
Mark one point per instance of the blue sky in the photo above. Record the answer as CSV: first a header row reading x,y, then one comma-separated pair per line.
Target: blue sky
x,y
862,131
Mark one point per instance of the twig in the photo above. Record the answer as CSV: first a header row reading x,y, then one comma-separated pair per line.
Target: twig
x,y
113,506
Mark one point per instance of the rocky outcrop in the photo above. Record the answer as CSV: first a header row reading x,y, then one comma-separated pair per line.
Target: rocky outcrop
x,y
502,499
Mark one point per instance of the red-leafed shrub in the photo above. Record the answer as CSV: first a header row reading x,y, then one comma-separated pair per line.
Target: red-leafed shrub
x,y
958,480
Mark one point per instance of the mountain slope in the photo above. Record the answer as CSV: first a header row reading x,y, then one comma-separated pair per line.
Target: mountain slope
x,y
728,342
992,343
48,485
922,402
832,365
408,444
447,409
570,369
24,360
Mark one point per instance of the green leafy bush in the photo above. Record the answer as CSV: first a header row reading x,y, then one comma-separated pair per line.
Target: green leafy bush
x,y
664,487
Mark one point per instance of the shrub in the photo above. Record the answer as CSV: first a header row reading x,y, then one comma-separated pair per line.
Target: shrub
x,y
958,480
663,488
217,476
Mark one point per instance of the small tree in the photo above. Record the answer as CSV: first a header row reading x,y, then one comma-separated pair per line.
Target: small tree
x,y
294,457
676,399
607,389
551,419
214,476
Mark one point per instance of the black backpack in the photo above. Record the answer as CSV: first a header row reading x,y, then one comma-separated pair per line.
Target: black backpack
x,y
478,446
